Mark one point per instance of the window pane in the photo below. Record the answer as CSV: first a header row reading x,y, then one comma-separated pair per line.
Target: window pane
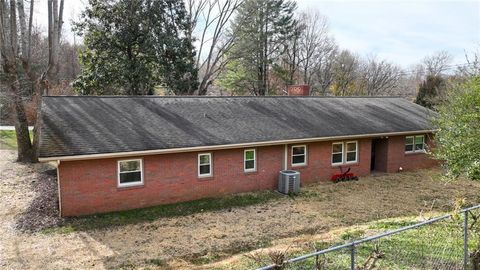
x,y
204,159
249,155
418,139
351,147
126,166
337,148
204,169
419,146
409,140
298,159
250,164
298,150
408,148
130,177
352,156
337,158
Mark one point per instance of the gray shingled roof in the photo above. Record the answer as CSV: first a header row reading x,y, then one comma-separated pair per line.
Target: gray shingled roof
x,y
93,125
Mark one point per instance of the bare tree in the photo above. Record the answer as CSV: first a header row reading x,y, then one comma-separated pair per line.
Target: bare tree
x,y
214,16
323,72
309,55
55,21
345,70
437,63
19,91
9,54
407,86
378,77
314,43
289,62
472,67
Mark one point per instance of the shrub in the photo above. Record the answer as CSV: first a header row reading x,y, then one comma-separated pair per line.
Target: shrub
x,y
458,136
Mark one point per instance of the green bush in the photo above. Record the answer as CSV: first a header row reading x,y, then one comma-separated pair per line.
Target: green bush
x,y
458,136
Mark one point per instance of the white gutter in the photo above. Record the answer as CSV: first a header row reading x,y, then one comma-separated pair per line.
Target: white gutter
x,y
224,146
285,162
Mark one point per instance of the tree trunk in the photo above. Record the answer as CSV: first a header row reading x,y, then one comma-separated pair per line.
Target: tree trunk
x,y
475,259
9,54
55,17
203,86
265,57
26,152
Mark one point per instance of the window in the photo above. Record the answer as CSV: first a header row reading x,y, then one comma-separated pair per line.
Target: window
x,y
351,155
419,146
130,173
299,155
409,143
337,153
249,160
344,152
204,164
415,144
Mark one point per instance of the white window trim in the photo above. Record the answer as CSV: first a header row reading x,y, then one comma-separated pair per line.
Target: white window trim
x,y
132,184
254,169
346,152
210,164
413,144
342,152
305,153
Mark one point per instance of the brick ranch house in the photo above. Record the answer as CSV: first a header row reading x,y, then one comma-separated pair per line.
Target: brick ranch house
x,y
117,153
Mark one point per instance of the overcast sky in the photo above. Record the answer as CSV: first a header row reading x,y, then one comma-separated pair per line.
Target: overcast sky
x,y
401,31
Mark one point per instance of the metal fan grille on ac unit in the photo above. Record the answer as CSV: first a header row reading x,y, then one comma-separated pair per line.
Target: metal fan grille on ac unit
x,y
289,181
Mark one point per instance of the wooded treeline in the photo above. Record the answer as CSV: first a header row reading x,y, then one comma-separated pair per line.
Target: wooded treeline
x,y
192,47
230,47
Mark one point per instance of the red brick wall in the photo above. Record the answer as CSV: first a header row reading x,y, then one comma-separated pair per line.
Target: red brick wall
x,y
319,161
90,186
408,161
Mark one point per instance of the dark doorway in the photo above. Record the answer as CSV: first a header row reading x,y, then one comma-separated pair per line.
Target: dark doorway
x,y
379,155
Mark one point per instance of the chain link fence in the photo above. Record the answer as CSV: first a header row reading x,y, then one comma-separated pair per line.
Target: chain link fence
x,y
447,242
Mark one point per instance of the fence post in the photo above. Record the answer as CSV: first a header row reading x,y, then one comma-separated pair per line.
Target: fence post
x,y
352,256
465,240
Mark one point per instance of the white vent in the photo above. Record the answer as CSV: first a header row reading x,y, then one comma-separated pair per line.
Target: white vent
x,y
289,182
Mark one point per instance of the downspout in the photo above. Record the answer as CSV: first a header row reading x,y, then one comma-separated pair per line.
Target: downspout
x,y
285,159
58,186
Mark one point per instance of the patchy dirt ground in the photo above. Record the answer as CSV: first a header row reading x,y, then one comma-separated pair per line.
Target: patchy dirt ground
x,y
205,240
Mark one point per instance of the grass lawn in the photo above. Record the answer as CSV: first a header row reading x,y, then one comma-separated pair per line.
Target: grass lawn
x,y
8,139
435,246
109,220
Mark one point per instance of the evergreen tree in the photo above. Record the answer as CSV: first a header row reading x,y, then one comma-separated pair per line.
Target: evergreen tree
x,y
431,91
261,29
132,46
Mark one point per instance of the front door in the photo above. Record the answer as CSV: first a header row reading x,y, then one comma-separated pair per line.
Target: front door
x,y
379,155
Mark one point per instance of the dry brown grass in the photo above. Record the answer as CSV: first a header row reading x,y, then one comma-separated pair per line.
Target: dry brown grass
x,y
212,239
